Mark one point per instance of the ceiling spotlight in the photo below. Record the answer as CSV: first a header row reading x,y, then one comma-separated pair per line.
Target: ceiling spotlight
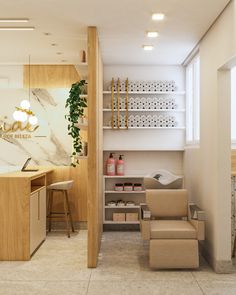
x,y
63,60
158,16
47,34
59,53
17,28
148,47
54,44
14,20
152,34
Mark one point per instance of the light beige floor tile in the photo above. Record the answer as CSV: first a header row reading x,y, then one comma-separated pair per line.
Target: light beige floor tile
x,y
218,287
65,288
21,288
143,287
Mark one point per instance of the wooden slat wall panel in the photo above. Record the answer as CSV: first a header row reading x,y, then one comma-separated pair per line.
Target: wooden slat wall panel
x,y
50,76
233,160
95,166
60,76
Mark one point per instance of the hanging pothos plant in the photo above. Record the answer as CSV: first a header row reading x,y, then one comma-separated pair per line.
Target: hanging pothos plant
x,y
76,105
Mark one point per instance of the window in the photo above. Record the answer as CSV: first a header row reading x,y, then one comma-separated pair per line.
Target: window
x,y
193,101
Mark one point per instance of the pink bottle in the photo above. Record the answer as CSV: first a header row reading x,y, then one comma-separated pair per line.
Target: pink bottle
x,y
120,168
111,165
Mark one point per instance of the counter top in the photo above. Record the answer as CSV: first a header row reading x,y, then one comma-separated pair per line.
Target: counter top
x,y
29,175
233,173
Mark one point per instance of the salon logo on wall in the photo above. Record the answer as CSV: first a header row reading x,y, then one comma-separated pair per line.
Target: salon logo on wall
x,y
24,125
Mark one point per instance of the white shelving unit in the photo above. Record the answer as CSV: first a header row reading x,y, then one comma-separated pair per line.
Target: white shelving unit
x,y
148,110
111,195
149,92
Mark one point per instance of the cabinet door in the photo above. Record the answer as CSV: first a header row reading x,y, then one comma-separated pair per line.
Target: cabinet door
x,y
37,219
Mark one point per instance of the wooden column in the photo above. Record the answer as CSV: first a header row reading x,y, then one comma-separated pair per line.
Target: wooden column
x,y
95,164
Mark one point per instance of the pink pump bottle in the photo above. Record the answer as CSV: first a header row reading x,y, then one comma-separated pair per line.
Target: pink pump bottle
x,y
120,168
111,166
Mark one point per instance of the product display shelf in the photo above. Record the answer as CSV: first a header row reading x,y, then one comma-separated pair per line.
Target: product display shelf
x,y
123,207
148,92
124,192
148,110
120,222
143,128
110,194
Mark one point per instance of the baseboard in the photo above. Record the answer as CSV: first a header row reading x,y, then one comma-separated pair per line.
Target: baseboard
x,y
219,266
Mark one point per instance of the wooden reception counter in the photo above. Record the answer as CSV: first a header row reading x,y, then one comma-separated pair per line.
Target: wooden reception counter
x,y
22,213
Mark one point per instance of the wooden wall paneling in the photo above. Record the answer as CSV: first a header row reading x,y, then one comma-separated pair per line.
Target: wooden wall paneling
x,y
60,76
15,212
50,76
233,160
95,147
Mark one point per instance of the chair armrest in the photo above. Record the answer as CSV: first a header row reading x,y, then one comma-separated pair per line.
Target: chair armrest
x,y
197,218
195,213
145,217
145,213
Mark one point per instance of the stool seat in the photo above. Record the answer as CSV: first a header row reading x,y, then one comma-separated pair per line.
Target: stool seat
x,y
62,185
62,188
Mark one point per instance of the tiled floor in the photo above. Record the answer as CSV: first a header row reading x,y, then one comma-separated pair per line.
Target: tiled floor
x,y
59,267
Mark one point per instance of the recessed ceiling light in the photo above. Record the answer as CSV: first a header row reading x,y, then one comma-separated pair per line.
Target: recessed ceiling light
x,y
148,47
152,34
14,20
63,60
158,16
47,34
59,53
54,44
17,28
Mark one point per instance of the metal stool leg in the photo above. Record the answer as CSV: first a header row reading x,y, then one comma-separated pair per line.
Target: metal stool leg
x,y
50,204
69,211
234,247
66,215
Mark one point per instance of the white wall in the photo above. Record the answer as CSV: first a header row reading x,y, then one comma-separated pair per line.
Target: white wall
x,y
145,151
147,139
207,168
11,76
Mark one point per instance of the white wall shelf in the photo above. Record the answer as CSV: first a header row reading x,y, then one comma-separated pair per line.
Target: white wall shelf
x,y
124,176
124,192
147,110
149,92
120,222
122,207
144,128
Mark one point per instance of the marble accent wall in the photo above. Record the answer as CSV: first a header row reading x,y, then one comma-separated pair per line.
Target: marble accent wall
x,y
49,144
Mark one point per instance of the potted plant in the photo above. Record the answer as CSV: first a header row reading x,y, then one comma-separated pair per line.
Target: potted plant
x,y
76,105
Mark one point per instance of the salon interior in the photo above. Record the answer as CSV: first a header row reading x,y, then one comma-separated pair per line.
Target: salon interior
x,y
117,147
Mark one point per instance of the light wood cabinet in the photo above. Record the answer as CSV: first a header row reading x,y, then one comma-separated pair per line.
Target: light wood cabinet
x,y
37,218
22,213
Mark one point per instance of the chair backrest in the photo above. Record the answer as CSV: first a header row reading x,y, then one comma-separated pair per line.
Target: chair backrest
x,y
167,203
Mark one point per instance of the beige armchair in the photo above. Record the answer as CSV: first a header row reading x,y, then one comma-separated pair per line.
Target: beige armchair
x,y
173,227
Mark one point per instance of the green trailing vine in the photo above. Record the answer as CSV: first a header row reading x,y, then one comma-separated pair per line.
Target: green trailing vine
x,y
76,105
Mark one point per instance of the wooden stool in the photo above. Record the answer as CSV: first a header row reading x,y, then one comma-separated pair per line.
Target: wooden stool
x,y
62,187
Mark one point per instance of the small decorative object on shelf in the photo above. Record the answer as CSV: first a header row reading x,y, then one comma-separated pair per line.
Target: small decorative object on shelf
x,y
146,86
128,186
119,187
118,216
137,187
131,216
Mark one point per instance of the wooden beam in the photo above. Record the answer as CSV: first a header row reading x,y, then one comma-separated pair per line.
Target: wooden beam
x,y
94,148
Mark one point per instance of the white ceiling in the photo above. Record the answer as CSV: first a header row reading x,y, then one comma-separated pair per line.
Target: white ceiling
x,y
121,25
